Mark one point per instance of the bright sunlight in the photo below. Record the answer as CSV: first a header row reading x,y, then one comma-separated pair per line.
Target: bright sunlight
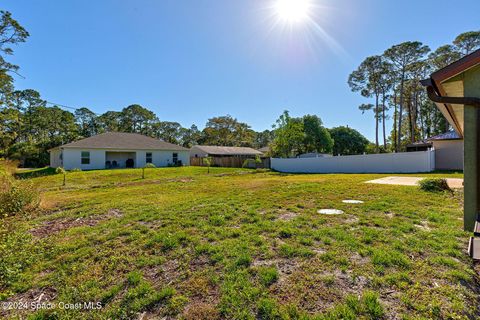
x,y
293,11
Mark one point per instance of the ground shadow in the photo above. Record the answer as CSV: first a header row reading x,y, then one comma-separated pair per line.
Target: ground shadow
x,y
34,173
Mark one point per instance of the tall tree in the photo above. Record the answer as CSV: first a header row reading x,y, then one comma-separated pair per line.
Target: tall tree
x,y
370,79
110,121
443,56
11,33
263,138
401,57
227,131
168,131
27,101
467,42
87,120
137,119
190,136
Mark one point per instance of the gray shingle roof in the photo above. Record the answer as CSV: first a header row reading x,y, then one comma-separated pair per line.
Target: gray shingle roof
x,y
450,135
121,140
223,151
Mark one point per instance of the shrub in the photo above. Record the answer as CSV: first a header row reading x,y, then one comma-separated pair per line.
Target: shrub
x,y
434,185
15,197
18,198
61,170
76,170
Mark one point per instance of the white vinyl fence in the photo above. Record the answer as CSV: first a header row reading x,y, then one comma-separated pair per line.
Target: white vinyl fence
x,y
422,161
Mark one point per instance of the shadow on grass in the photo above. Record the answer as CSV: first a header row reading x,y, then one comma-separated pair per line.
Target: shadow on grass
x,y
34,173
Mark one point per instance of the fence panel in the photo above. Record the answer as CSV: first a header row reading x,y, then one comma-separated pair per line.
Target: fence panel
x,y
404,162
231,162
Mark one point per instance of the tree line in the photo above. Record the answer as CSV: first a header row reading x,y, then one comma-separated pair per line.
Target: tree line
x,y
29,127
391,81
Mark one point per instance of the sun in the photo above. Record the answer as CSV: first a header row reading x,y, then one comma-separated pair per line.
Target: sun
x,y
293,11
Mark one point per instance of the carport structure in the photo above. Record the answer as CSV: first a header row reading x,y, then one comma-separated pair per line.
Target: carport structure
x,y
456,91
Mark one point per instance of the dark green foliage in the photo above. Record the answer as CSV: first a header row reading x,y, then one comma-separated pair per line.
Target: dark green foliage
x,y
294,136
348,141
434,185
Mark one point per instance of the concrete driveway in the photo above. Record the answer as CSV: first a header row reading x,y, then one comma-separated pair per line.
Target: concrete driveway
x,y
413,181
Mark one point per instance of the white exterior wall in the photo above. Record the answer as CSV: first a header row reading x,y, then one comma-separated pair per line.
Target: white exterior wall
x,y
72,159
161,158
449,154
423,161
55,158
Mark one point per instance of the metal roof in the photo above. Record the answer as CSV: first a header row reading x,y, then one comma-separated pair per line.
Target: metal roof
x,y
450,135
122,140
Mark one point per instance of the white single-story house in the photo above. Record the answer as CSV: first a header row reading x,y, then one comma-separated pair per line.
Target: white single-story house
x,y
117,150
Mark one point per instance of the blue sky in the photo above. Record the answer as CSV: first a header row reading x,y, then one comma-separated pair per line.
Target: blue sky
x,y
194,59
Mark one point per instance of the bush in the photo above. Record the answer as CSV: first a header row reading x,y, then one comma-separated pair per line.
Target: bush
x,y
15,196
19,198
434,185
76,170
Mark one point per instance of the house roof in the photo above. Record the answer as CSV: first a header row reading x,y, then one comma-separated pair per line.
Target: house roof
x,y
122,140
447,84
264,149
450,135
228,151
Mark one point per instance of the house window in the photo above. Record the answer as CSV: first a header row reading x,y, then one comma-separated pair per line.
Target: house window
x,y
85,157
148,157
175,157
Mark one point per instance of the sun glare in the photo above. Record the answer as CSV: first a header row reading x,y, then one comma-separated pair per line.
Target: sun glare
x,y
293,11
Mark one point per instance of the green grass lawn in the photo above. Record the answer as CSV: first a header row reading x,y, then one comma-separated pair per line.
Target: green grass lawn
x,y
238,244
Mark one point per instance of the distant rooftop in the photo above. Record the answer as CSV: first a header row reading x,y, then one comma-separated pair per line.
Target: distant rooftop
x,y
450,135
226,151
122,140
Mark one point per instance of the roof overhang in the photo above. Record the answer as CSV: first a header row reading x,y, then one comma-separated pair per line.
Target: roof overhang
x,y
446,89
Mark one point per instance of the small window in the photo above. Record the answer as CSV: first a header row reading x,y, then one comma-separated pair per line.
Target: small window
x,y
175,157
85,157
148,158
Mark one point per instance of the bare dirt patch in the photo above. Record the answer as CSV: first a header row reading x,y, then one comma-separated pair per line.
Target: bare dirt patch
x,y
28,299
201,311
287,216
285,267
181,180
423,226
54,226
326,288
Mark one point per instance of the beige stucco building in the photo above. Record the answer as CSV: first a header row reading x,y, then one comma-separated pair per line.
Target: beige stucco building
x,y
448,150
